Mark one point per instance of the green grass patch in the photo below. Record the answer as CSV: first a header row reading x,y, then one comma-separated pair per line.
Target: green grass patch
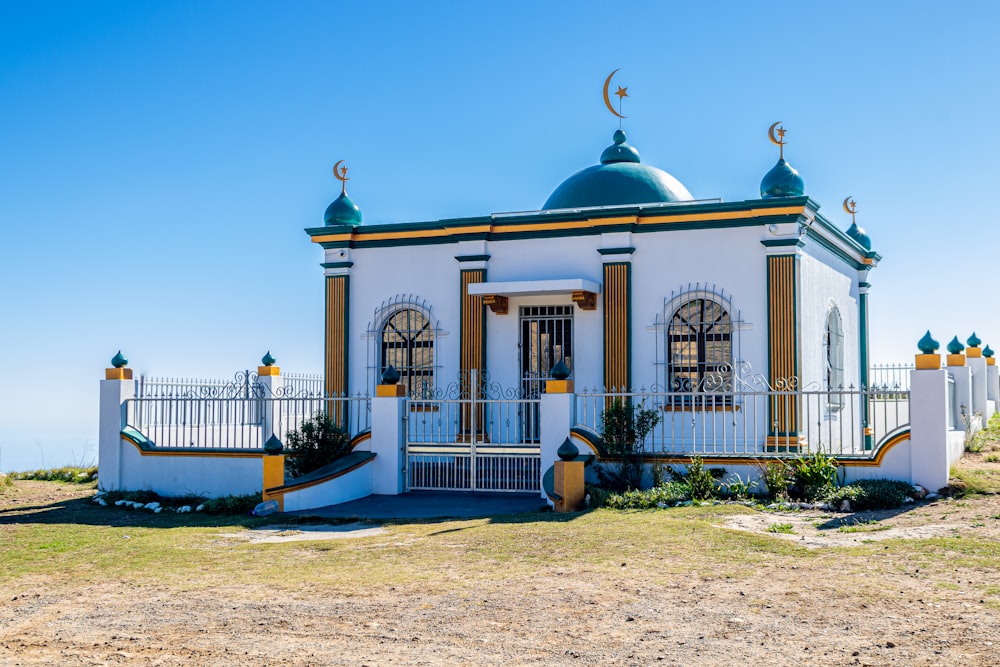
x,y
71,474
971,481
863,526
785,528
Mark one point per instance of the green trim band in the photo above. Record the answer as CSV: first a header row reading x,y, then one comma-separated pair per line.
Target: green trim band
x,y
337,265
617,251
473,258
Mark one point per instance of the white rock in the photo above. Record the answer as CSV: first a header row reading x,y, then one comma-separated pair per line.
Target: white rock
x,y
152,506
806,506
845,505
908,500
200,508
919,491
932,496
119,503
184,509
101,501
158,510
661,504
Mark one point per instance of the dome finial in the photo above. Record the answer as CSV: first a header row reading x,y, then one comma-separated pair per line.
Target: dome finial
x,y
340,173
342,211
855,232
622,93
780,141
783,180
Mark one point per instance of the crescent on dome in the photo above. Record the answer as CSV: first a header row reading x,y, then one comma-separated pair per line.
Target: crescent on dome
x,y
607,99
850,206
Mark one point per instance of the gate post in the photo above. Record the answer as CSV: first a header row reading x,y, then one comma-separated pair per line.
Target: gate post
x,y
387,441
556,420
269,378
116,388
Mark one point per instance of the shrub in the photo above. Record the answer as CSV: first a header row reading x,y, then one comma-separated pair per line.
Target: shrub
x,y
232,504
668,493
700,481
814,475
872,494
6,481
624,428
318,442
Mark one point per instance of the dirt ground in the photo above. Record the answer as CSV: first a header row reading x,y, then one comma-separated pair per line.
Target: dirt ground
x,y
804,614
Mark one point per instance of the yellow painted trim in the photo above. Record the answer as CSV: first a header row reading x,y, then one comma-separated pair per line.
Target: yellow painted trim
x,y
390,390
588,223
973,352
558,386
274,476
117,373
927,362
877,461
700,408
335,340
990,361
956,359
359,438
316,482
268,371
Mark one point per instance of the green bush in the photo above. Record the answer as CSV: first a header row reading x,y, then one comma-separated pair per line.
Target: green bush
x,y
232,504
700,481
6,481
624,428
813,476
871,494
739,488
598,496
668,493
318,442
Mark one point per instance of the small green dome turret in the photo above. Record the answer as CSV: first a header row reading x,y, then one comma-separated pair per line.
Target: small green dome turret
x,y
342,211
987,352
859,235
619,180
927,344
955,346
973,340
782,181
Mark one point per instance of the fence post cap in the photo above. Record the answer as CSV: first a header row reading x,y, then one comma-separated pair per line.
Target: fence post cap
x,y
927,344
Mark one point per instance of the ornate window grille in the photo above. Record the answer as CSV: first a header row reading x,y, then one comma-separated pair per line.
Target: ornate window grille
x,y
404,334
699,339
833,342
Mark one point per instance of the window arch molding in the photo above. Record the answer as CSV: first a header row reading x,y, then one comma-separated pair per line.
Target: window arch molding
x,y
404,333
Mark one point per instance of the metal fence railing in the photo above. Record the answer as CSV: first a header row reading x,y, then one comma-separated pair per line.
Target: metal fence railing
x,y
849,422
213,422
890,377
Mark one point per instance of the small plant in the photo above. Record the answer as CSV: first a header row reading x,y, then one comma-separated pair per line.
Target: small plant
x,y
973,422
624,428
740,488
777,477
317,442
6,481
785,528
699,480
813,476
992,458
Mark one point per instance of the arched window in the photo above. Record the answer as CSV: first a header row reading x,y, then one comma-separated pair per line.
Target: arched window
x,y
833,342
407,343
699,347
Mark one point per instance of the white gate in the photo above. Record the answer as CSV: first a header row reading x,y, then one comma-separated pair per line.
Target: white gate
x,y
472,443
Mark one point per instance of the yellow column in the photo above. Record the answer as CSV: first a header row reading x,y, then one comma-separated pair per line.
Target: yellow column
x,y
617,301
783,351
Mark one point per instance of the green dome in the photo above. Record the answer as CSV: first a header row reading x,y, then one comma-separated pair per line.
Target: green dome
x,y
342,211
859,235
619,179
781,181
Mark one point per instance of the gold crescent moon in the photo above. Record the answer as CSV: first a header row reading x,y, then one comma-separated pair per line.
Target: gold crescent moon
x,y
336,173
850,206
770,134
607,100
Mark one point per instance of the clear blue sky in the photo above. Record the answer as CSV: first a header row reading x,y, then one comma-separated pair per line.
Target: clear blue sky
x,y
159,160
